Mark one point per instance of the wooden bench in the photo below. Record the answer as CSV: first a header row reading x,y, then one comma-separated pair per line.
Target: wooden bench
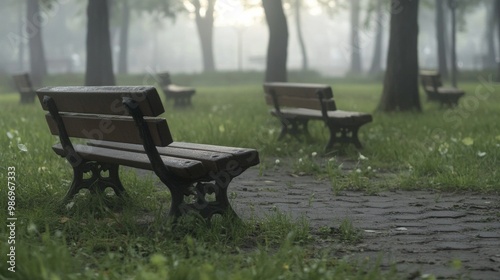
x,y
123,126
295,104
180,95
24,87
433,87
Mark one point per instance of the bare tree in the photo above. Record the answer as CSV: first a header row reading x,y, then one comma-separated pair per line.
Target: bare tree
x,y
277,50
298,26
99,70
497,12
441,35
205,25
38,63
356,67
376,66
400,91
124,30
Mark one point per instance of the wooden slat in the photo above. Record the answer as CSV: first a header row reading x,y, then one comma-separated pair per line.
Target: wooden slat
x,y
212,161
298,90
338,116
179,89
184,168
164,79
102,100
296,102
119,129
23,83
244,157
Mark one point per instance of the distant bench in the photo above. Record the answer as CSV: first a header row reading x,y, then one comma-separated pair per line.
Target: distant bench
x,y
295,104
180,95
433,87
24,87
123,128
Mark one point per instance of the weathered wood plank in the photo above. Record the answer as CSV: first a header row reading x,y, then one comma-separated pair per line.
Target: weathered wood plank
x,y
212,161
298,90
338,116
103,100
184,168
24,87
297,102
119,129
245,157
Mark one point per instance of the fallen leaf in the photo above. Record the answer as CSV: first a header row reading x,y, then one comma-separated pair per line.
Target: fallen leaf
x,y
22,147
467,141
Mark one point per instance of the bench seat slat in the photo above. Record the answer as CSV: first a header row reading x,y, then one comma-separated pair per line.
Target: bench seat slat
x,y
450,90
212,161
184,168
102,100
244,157
298,90
120,129
339,116
310,103
179,89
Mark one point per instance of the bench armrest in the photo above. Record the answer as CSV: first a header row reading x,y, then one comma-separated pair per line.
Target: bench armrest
x,y
324,109
147,140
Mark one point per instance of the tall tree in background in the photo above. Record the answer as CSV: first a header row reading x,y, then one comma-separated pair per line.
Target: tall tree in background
x,y
99,70
124,30
489,34
376,66
298,25
277,49
497,13
205,25
355,43
441,35
38,63
400,91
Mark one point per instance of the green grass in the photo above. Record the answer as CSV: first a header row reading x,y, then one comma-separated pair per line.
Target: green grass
x,y
107,238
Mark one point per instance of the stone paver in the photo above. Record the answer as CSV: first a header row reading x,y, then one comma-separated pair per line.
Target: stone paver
x,y
448,235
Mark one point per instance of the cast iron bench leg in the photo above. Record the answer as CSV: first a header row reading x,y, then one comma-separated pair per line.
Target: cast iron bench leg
x,y
355,139
97,182
201,206
333,137
284,128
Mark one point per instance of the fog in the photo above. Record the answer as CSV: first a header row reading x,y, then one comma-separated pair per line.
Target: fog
x,y
162,44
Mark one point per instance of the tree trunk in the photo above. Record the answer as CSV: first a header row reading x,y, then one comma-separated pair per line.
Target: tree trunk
x,y
205,25
400,91
441,35
376,66
21,42
38,64
490,57
277,49
124,28
302,44
355,43
99,70
453,7
497,11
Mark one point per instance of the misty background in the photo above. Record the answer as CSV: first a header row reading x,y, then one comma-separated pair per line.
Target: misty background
x,y
157,43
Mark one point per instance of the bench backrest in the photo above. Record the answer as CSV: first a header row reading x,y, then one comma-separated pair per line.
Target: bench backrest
x,y
98,113
23,83
164,79
298,95
431,79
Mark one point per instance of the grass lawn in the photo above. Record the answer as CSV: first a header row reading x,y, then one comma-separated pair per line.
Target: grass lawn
x,y
105,238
